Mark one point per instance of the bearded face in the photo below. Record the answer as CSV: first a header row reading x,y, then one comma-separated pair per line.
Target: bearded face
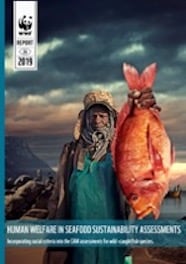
x,y
99,117
97,130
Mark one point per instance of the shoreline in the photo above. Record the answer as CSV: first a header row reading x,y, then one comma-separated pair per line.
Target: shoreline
x,y
35,255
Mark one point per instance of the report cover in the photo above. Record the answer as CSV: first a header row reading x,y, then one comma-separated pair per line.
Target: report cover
x,y
2,128
61,59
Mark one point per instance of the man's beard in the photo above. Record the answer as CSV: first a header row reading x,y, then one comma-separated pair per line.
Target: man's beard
x,y
97,140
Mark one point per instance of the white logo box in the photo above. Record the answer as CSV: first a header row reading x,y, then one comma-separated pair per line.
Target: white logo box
x,y
25,39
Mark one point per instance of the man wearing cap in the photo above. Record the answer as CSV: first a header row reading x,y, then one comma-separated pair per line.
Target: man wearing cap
x,y
86,187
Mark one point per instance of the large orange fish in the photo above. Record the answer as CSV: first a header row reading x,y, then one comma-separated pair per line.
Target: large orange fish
x,y
141,149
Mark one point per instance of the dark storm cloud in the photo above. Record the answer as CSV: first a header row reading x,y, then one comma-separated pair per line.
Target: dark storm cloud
x,y
72,13
94,39
98,57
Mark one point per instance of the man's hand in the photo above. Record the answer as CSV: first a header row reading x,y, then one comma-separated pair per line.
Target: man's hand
x,y
143,99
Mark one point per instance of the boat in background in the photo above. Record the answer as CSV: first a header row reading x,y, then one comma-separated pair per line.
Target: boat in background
x,y
175,193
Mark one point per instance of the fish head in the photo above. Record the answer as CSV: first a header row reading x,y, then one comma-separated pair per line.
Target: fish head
x,y
144,205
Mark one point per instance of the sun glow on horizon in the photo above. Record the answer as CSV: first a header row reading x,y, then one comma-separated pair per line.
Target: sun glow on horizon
x,y
178,174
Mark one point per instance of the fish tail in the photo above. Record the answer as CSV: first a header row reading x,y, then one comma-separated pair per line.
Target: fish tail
x,y
132,76
148,76
138,82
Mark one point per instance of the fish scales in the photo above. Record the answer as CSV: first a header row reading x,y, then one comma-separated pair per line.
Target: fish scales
x,y
137,164
142,152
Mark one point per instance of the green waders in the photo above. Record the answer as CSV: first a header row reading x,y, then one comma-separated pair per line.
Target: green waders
x,y
93,196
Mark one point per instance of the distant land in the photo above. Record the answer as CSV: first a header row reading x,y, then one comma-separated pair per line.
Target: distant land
x,y
20,159
47,149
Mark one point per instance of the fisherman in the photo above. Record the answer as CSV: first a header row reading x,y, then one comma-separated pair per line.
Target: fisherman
x,y
86,187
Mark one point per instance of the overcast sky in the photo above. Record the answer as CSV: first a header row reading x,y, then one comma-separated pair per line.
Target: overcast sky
x,y
82,46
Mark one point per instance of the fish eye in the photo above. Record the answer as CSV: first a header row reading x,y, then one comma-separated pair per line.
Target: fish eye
x,y
134,197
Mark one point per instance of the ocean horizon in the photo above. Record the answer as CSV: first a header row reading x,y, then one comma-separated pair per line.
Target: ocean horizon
x,y
49,147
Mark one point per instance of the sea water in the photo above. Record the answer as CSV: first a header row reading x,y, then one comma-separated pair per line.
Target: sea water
x,y
49,149
174,208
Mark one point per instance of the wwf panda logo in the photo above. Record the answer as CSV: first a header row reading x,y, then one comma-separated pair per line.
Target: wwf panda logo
x,y
25,25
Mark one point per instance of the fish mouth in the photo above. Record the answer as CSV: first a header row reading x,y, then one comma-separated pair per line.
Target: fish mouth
x,y
144,206
155,212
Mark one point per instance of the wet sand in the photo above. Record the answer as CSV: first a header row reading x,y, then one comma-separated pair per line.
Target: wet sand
x,y
140,256
24,255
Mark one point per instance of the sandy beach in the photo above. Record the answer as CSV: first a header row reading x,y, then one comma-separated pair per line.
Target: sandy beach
x,y
24,255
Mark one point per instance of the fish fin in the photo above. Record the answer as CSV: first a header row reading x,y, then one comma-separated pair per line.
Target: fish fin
x,y
124,112
155,157
156,212
173,153
132,76
159,144
147,77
